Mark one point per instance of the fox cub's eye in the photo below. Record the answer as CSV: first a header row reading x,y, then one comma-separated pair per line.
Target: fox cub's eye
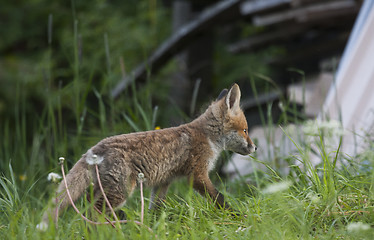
x,y
245,131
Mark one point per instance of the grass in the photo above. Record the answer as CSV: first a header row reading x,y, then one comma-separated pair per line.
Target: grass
x,y
291,211
333,200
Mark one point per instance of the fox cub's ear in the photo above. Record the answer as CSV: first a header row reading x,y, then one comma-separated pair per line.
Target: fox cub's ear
x,y
233,98
222,94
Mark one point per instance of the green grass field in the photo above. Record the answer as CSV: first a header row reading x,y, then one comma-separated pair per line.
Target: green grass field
x,y
56,104
333,200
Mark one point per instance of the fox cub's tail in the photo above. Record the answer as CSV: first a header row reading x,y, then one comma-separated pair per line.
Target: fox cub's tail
x,y
78,179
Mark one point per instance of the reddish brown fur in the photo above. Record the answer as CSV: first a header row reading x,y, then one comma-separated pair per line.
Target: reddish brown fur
x,y
162,155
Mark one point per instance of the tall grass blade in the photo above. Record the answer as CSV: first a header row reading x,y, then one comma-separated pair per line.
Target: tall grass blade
x,y
194,97
131,123
154,117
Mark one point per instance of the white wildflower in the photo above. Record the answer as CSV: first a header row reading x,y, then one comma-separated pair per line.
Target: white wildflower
x,y
333,127
310,128
315,128
277,187
240,229
54,177
357,226
93,159
291,130
42,226
313,197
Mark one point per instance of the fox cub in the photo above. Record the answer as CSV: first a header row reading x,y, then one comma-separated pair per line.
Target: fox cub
x,y
187,150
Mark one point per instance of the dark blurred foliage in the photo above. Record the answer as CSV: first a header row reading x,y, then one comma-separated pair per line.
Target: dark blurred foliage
x,y
59,61
45,45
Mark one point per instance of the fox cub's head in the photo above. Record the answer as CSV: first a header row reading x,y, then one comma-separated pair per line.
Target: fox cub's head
x,y
235,128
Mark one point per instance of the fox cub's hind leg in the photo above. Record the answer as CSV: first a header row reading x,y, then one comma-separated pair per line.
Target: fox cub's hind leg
x,y
117,189
158,194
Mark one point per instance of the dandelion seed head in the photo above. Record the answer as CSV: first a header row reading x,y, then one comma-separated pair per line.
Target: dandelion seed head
x,y
54,177
141,177
93,159
61,160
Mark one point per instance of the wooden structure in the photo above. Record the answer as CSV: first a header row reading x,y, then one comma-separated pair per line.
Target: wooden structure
x,y
180,40
309,30
351,99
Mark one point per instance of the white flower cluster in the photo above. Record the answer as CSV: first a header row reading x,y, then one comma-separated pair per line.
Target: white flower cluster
x,y
315,128
43,226
277,187
357,227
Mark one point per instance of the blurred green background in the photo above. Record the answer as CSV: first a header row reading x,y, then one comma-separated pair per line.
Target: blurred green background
x,y
59,61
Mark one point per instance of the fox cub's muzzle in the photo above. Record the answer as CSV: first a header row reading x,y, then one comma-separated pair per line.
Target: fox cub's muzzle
x,y
248,149
251,148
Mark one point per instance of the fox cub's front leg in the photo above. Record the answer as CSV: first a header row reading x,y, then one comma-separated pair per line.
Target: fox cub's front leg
x,y
158,194
203,185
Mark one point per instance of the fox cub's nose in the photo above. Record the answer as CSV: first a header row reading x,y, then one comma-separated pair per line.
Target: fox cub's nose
x,y
252,147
